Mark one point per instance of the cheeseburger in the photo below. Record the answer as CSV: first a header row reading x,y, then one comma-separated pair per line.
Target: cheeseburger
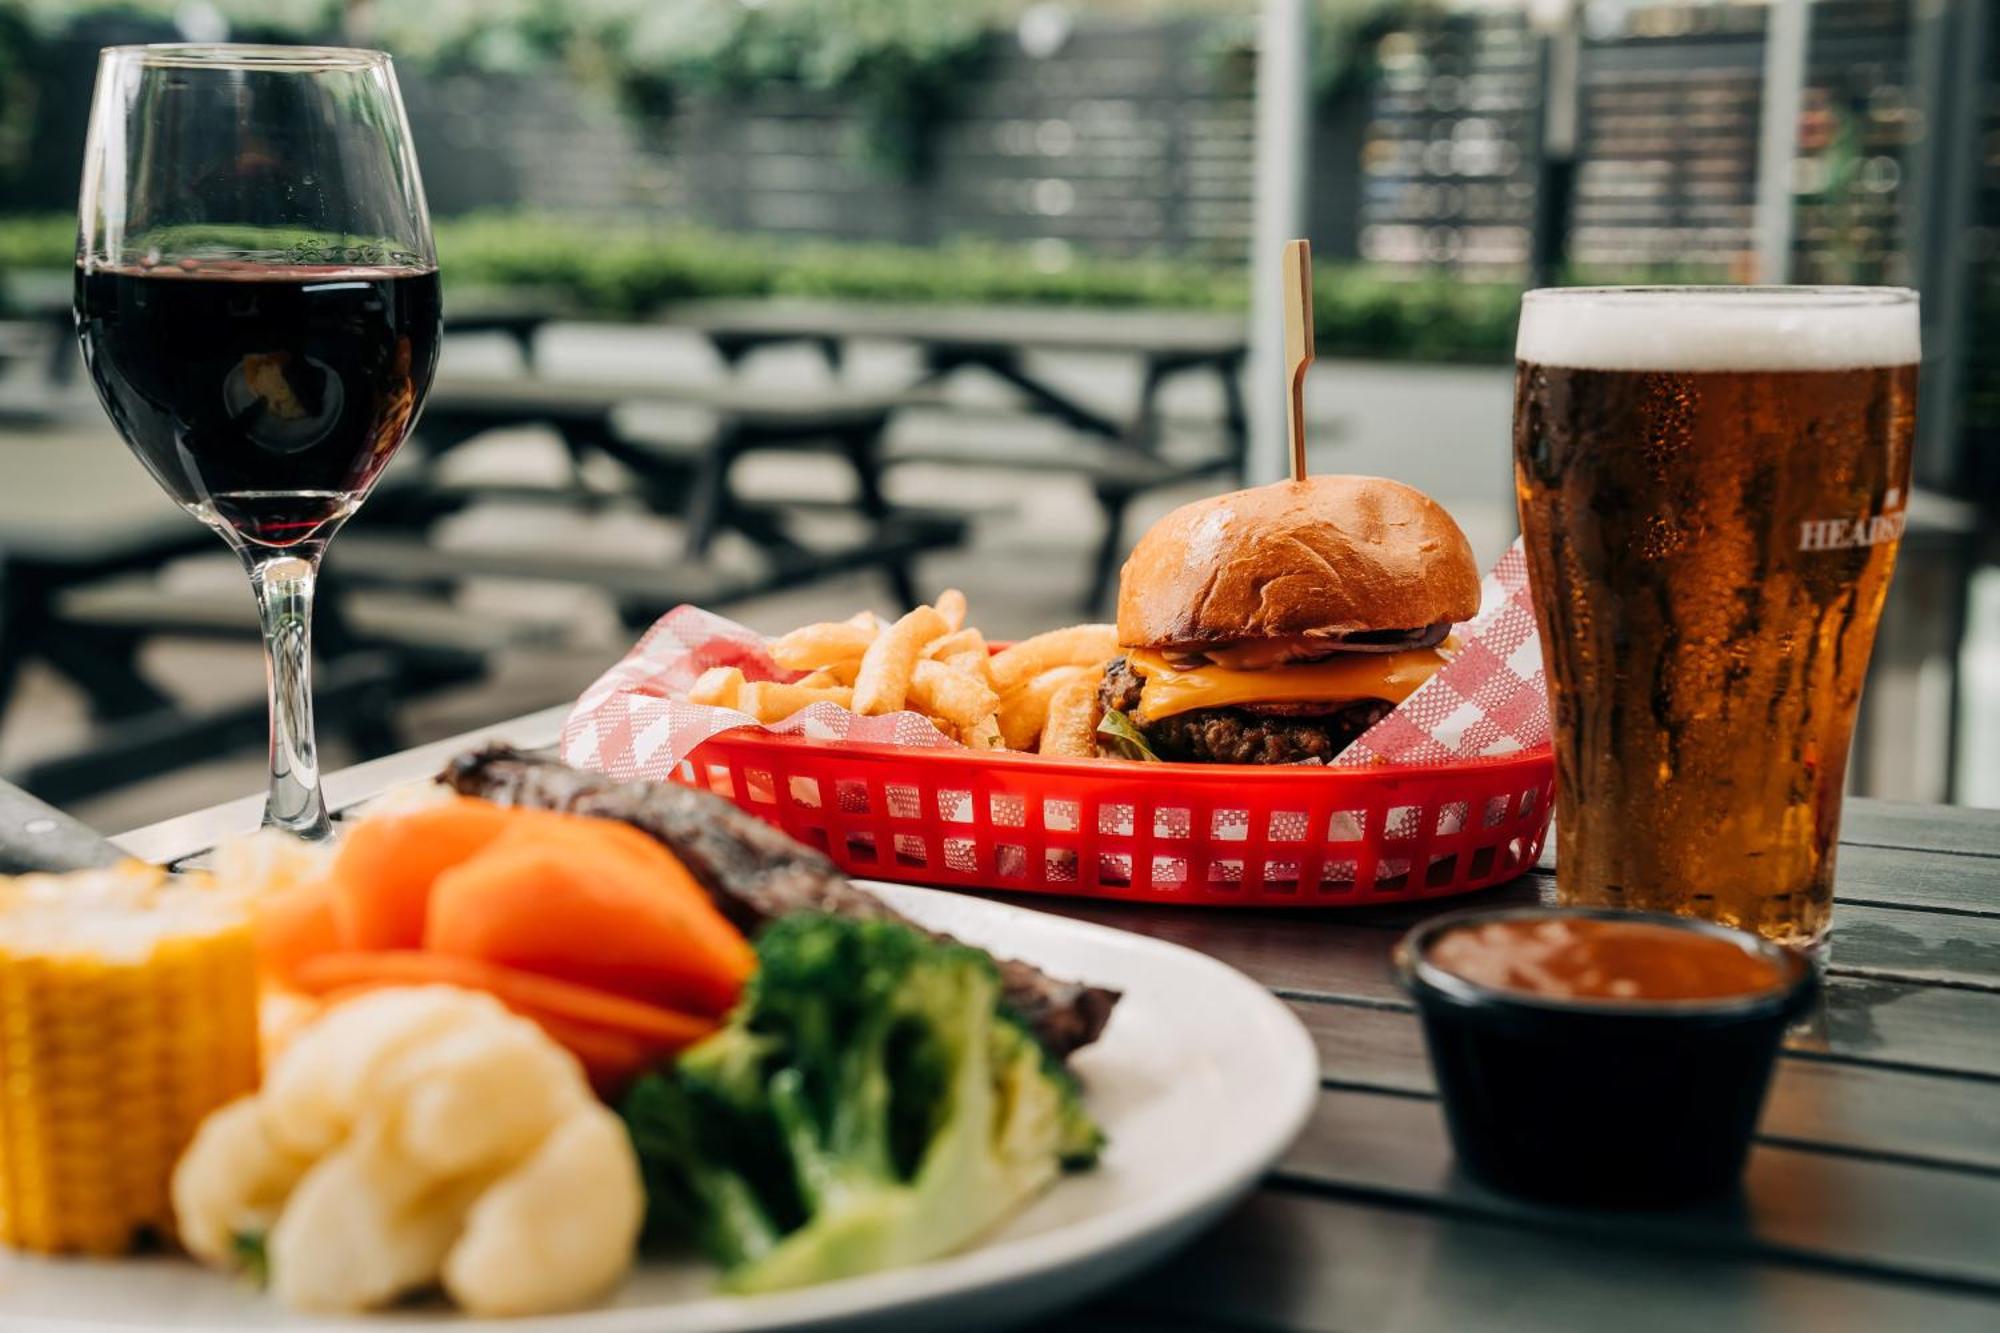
x,y
1274,625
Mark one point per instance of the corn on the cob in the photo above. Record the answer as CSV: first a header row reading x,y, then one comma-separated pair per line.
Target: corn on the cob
x,y
128,1011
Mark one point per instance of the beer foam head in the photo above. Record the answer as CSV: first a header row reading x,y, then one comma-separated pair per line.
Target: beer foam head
x,y
1718,328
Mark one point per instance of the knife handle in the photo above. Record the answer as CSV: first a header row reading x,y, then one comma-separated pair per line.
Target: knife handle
x,y
34,835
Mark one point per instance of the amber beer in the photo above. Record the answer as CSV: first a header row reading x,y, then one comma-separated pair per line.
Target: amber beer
x,y
1711,486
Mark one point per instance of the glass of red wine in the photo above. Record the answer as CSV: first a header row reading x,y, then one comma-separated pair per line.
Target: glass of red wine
x,y
257,296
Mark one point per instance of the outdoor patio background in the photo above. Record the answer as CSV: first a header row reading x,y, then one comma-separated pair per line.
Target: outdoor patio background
x,y
1126,142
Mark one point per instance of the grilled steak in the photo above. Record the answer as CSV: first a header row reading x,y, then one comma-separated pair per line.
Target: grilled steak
x,y
752,871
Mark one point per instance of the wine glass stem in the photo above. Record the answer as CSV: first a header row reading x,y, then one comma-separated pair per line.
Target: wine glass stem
x,y
284,587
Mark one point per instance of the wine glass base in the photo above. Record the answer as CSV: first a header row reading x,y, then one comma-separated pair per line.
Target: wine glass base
x,y
311,825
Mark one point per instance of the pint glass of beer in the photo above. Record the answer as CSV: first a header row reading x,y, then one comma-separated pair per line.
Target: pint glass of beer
x,y
1711,484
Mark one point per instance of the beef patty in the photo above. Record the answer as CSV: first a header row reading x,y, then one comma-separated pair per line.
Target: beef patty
x,y
1257,734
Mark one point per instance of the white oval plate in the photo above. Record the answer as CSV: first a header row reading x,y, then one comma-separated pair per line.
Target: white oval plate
x,y
1202,1079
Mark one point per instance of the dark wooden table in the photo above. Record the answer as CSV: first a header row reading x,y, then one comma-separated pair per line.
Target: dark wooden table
x,y
996,339
1872,1199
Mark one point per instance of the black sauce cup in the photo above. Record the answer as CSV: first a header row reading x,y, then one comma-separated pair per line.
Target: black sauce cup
x,y
1616,1103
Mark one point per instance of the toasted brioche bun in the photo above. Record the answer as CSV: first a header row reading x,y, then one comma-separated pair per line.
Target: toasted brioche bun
x,y
1326,556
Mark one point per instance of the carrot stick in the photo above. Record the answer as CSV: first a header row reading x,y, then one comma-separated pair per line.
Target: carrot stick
x,y
292,925
386,865
611,1059
593,902
563,1001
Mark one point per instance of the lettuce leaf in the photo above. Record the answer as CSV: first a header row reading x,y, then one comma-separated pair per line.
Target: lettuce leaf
x,y
1118,735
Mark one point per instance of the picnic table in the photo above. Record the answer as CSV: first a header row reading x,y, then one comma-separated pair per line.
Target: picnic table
x,y
996,339
1121,460
1119,456
691,478
1872,1199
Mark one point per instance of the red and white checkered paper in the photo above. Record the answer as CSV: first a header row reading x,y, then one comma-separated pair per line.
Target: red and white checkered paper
x,y
634,723
1490,699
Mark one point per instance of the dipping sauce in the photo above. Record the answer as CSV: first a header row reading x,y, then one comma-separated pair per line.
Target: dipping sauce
x,y
1590,1056
1591,958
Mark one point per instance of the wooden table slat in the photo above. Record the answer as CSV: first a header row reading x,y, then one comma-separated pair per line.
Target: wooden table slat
x,y
1927,828
1289,1261
1899,942
1870,876
1906,877
1954,946
1880,1217
1894,1023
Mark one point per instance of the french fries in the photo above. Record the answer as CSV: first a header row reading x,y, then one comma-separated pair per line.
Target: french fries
x,y
1071,729
768,701
883,681
826,677
1040,692
1079,645
822,645
1025,708
959,697
958,641
951,605
717,687
974,662
985,735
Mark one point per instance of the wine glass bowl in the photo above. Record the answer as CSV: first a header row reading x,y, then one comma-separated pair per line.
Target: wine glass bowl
x,y
258,302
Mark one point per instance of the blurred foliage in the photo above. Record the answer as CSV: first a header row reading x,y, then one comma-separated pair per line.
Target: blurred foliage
x,y
899,65
17,95
1841,199
625,271
1346,35
632,270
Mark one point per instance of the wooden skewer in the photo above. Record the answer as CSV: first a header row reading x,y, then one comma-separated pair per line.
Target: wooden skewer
x,y
1298,346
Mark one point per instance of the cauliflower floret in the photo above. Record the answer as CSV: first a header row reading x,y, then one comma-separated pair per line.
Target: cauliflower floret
x,y
231,1181
344,1065
413,1133
558,1229
365,1226
484,1096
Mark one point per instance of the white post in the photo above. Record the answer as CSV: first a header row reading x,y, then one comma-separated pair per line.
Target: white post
x,y
1786,28
1284,113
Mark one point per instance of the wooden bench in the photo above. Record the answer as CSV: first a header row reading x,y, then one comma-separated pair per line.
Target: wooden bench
x,y
62,557
1117,474
691,478
643,592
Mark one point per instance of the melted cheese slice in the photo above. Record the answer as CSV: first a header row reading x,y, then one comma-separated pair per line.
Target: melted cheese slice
x,y
1393,676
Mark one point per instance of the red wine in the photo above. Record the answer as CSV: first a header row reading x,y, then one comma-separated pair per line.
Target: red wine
x,y
265,400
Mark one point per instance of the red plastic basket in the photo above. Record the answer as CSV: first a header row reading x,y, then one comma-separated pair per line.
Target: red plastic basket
x,y
1224,835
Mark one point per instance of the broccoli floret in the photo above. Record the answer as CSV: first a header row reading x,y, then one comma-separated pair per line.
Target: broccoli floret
x,y
870,1103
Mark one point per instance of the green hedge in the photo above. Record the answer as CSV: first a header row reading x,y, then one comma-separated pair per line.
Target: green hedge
x,y
622,270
